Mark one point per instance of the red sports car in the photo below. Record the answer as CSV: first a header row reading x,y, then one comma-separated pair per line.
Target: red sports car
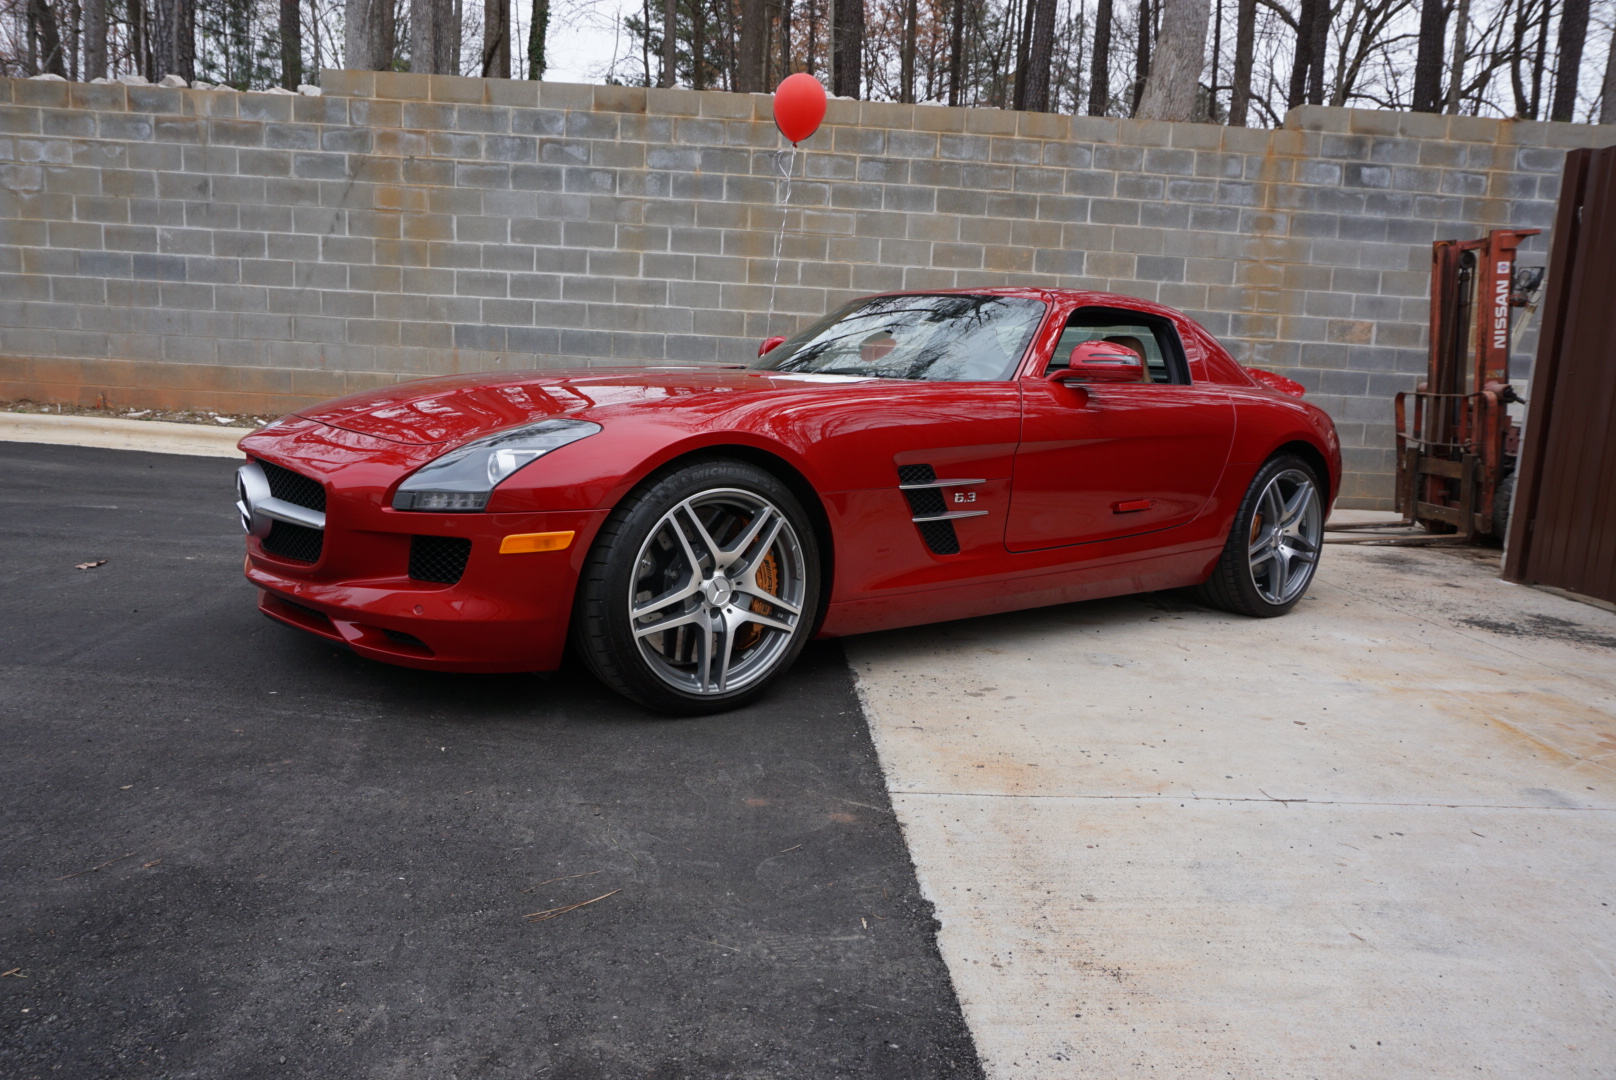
x,y
909,458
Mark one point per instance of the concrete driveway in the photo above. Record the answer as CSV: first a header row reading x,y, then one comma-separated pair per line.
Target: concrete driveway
x,y
1370,839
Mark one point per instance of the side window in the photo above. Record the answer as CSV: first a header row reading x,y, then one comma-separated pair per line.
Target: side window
x,y
1152,338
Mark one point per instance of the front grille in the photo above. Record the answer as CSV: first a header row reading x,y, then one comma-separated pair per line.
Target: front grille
x,y
296,542
295,488
438,558
928,502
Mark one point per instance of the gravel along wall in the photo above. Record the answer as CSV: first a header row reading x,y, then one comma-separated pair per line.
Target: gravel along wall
x,y
253,252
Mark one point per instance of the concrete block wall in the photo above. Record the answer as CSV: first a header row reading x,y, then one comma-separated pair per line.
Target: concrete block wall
x,y
258,252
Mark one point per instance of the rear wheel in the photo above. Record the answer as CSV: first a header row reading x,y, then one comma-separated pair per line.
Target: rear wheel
x,y
700,590
1273,550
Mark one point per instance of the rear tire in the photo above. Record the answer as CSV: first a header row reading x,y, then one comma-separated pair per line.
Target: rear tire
x,y
700,590
1273,549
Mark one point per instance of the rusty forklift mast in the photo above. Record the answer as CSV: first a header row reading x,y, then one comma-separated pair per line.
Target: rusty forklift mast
x,y
1456,442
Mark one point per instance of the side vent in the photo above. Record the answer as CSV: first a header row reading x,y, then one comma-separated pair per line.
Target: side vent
x,y
927,502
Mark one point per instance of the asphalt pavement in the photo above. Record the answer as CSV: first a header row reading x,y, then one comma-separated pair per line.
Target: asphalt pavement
x,y
233,850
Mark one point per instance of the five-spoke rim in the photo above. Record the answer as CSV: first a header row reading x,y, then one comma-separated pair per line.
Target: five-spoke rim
x,y
1286,530
718,591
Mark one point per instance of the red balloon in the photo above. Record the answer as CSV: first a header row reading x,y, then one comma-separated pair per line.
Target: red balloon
x,y
799,106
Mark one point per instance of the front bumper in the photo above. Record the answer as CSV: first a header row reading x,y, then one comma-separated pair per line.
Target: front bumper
x,y
506,612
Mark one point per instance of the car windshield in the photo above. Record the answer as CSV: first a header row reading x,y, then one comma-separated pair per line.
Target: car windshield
x,y
947,338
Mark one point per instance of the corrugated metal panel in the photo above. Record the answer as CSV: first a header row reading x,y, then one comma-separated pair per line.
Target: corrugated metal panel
x,y
1564,528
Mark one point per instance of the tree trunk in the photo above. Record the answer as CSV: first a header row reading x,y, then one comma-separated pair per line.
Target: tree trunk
x,y
139,43
367,39
785,38
906,61
956,54
1428,58
698,45
1141,56
1023,46
849,45
753,46
1318,46
49,58
95,39
670,38
1040,58
1302,59
1175,72
496,39
1573,31
1456,68
1100,74
1607,108
291,26
434,37
1245,36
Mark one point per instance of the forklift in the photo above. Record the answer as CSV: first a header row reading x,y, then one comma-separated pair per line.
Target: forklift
x,y
1456,442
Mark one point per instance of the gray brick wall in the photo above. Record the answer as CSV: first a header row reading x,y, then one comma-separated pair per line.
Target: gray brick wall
x,y
258,251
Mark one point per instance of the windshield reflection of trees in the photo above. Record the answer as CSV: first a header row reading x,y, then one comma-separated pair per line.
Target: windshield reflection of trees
x,y
932,338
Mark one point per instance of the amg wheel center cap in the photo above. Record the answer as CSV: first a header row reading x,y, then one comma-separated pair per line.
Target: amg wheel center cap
x,y
718,591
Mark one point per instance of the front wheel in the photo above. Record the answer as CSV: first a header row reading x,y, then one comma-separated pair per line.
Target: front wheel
x,y
1273,549
700,590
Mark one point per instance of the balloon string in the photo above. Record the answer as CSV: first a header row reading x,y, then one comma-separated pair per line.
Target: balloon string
x,y
784,163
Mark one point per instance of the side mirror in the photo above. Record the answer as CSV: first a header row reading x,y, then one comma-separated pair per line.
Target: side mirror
x,y
1101,362
770,344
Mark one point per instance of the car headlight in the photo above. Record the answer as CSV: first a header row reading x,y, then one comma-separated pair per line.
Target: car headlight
x,y
463,478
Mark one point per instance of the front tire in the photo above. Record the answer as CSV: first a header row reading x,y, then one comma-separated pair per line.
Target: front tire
x,y
700,590
1273,549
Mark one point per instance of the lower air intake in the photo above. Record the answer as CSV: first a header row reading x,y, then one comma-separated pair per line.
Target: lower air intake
x,y
438,558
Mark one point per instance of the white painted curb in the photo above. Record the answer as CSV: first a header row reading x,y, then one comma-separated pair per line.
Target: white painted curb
x,y
152,436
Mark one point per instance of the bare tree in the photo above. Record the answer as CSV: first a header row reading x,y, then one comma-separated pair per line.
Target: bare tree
x,y
1040,53
848,46
1141,56
1573,30
1456,67
906,62
95,39
434,37
44,31
1428,58
368,43
1100,73
670,41
753,50
291,27
496,39
1607,106
956,52
1175,71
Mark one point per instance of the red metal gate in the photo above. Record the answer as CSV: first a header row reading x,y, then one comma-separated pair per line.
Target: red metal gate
x,y
1563,530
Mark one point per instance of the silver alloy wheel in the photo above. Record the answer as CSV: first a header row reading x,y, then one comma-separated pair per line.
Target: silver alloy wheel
x,y
702,619
1287,528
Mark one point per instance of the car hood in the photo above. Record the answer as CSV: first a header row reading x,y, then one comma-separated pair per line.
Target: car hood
x,y
462,407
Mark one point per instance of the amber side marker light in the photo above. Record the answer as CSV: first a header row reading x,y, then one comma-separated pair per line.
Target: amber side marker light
x,y
521,543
